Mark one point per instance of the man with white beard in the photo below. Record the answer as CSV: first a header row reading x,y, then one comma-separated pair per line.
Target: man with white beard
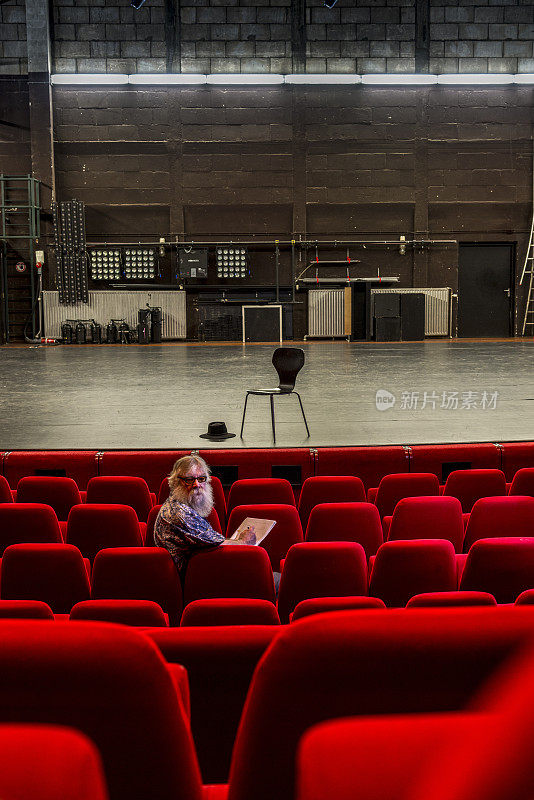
x,y
181,525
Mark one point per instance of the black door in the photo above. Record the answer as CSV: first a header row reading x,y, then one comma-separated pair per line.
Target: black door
x,y
485,282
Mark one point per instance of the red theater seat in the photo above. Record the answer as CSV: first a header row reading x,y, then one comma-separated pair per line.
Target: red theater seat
x,y
503,567
229,571
329,489
393,488
218,497
469,485
125,612
260,490
286,532
364,663
60,493
220,662
516,456
526,598
350,522
428,518
80,465
110,683
138,573
321,569
151,465
94,527
53,573
44,762
229,611
320,605
5,491
405,568
25,609
496,517
523,482
125,490
28,522
437,599
151,521
442,459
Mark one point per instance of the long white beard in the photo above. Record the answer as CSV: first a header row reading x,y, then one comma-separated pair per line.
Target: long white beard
x,y
200,499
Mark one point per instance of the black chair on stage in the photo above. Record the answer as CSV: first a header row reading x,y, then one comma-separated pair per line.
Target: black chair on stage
x,y
287,361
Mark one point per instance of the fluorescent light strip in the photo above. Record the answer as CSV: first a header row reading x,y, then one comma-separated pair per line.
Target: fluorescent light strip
x,y
83,79
399,79
181,78
249,79
322,78
525,77
477,79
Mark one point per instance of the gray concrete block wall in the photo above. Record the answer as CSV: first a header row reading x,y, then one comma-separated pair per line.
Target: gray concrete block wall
x,y
13,51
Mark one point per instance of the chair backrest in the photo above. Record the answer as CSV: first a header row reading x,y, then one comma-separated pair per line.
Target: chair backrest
x,y
53,573
523,482
138,573
151,521
60,493
503,567
288,361
363,663
439,599
110,683
329,489
219,500
393,488
347,522
260,490
28,522
496,517
239,571
5,491
94,527
405,568
468,485
25,609
230,611
428,518
286,532
126,612
126,490
321,605
220,662
321,569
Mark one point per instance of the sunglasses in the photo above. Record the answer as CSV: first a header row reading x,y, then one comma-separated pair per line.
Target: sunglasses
x,y
190,481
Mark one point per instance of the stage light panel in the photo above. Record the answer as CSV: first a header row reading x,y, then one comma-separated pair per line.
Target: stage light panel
x,y
140,263
106,265
232,262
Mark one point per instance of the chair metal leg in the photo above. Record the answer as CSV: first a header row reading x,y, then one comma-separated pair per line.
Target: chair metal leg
x,y
244,412
272,416
303,414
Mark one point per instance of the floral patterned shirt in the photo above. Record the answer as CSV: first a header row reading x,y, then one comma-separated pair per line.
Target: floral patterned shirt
x,y
182,532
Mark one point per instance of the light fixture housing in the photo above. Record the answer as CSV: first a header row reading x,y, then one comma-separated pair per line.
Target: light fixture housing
x,y
322,78
246,79
475,79
399,79
167,79
88,79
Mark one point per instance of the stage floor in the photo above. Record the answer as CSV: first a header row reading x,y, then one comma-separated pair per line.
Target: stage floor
x,y
163,396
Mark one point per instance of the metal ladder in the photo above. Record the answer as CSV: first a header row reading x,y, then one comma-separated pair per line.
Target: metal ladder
x,y
528,270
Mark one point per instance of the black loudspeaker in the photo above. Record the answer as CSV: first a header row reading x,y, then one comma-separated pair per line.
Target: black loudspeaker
x,y
412,317
157,323
387,304
143,327
388,329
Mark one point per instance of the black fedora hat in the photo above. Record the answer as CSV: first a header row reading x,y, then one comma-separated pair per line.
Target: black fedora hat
x,y
216,432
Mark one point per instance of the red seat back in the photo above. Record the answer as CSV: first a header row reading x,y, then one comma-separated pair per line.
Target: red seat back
x,y
349,522
428,518
94,527
60,493
126,490
125,612
5,491
495,517
405,568
393,488
25,609
468,485
438,599
229,571
286,532
229,611
320,605
28,522
523,482
503,567
260,490
80,465
329,489
368,463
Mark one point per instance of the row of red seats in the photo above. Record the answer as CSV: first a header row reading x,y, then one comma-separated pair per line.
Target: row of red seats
x,y
468,673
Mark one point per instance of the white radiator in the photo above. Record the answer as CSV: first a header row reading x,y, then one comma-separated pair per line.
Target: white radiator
x,y
437,308
326,313
106,305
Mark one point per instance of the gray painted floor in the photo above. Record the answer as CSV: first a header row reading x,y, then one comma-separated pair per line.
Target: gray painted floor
x,y
162,396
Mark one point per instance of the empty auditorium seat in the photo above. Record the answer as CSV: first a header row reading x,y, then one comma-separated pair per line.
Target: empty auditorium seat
x,y
125,612
516,456
219,501
436,599
428,518
403,569
60,493
28,522
229,571
364,663
80,465
350,522
46,762
321,605
110,683
286,532
126,490
526,598
229,611
5,491
53,573
495,517
260,490
523,482
220,662
329,489
393,488
321,569
138,573
151,521
468,485
94,527
25,609
503,567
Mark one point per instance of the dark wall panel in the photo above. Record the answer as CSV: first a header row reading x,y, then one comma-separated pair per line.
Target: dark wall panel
x,y
216,220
